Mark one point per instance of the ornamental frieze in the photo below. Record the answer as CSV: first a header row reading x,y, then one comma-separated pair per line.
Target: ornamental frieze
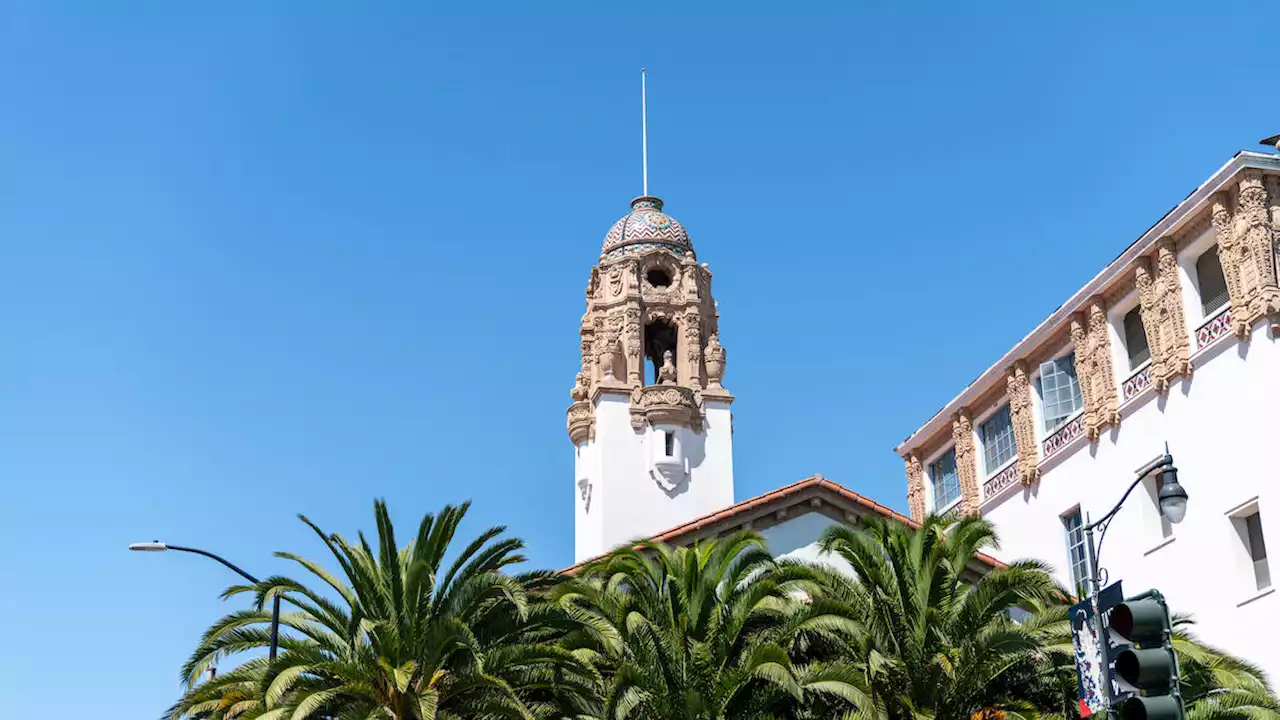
x,y
1160,298
966,462
1092,336
666,405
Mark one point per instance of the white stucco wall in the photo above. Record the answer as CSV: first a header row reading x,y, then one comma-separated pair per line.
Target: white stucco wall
x,y
1222,430
626,501
797,537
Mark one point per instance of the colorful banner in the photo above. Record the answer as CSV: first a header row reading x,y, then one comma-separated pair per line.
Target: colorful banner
x,y
1089,664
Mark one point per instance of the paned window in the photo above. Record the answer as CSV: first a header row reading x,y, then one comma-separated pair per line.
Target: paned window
x,y
997,440
945,480
1257,551
1077,558
1135,339
1213,286
1059,391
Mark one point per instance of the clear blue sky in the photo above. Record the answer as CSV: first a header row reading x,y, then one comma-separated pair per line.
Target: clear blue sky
x,y
259,259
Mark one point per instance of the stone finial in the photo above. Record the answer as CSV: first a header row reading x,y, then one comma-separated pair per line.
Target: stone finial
x,y
715,359
579,391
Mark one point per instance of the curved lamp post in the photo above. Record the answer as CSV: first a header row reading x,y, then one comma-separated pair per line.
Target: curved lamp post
x,y
1173,503
157,546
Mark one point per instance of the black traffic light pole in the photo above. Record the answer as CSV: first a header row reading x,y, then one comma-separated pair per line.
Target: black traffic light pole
x,y
1171,489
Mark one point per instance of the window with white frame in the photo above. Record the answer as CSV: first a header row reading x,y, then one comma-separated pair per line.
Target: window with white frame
x,y
1249,528
945,481
1077,558
1212,284
1135,339
996,435
1059,391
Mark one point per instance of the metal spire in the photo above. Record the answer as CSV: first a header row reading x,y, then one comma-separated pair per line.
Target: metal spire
x,y
644,131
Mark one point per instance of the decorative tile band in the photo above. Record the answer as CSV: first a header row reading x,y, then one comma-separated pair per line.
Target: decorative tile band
x,y
1214,329
1002,480
1137,382
1064,435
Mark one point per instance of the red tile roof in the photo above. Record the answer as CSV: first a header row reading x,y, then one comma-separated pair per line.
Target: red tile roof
x,y
727,515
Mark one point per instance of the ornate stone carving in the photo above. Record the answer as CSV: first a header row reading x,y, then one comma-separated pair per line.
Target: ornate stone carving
x,y
1092,336
634,350
915,487
1160,298
615,281
1018,381
580,419
607,352
1249,257
966,463
667,373
715,356
666,405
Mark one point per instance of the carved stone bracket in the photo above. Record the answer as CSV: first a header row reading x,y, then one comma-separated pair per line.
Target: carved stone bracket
x,y
915,487
581,420
1092,336
1018,381
1253,257
666,405
966,463
1160,293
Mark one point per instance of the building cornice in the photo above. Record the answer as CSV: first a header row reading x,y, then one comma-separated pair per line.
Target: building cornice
x,y
1172,221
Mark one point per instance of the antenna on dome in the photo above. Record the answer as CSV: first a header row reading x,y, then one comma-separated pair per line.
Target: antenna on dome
x,y
644,130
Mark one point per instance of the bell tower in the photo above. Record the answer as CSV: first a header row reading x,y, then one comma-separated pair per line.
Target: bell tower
x,y
650,422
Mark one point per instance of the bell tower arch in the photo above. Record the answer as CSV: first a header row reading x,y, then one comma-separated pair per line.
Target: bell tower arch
x,y
650,420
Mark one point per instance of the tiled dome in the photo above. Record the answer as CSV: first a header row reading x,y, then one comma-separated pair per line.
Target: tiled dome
x,y
645,228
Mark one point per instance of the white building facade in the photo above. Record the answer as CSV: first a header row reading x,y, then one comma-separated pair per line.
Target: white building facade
x,y
1177,341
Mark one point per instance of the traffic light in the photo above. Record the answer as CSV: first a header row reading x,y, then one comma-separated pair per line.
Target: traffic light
x,y
1148,663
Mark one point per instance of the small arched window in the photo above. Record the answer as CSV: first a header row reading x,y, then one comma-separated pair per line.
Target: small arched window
x,y
1135,339
1213,286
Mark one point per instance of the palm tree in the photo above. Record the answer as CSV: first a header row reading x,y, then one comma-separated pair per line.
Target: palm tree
x,y
397,634
940,640
708,632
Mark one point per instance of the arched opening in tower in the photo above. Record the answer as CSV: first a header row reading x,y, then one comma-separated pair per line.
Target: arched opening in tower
x,y
659,337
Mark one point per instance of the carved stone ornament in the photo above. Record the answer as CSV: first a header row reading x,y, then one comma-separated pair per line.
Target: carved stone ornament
x,y
666,405
667,373
581,421
1247,249
715,357
915,487
966,462
634,350
1160,298
1092,336
1018,381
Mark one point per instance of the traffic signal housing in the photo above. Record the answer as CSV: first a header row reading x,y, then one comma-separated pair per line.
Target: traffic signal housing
x,y
1148,663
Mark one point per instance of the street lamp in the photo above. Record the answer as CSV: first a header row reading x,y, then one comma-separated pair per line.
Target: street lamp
x,y
1173,503
157,546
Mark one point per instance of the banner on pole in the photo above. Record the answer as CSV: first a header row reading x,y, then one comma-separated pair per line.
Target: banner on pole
x,y
1090,674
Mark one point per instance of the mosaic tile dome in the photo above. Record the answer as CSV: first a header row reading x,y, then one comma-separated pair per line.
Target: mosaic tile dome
x,y
646,228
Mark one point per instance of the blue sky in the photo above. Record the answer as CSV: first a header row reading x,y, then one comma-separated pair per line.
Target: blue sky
x,y
262,259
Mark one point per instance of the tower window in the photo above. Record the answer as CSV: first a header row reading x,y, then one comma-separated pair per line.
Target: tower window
x,y
657,277
659,337
1135,339
669,443
1213,286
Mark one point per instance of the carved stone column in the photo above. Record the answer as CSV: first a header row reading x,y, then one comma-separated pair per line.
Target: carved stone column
x,y
1092,336
1018,381
966,463
1253,257
633,347
915,487
1160,298
691,330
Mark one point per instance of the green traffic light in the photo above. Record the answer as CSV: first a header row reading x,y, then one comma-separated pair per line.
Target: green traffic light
x,y
1147,669
1140,621
1160,707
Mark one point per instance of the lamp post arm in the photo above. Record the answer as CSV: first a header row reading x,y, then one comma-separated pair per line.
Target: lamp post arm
x,y
1143,472
222,560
